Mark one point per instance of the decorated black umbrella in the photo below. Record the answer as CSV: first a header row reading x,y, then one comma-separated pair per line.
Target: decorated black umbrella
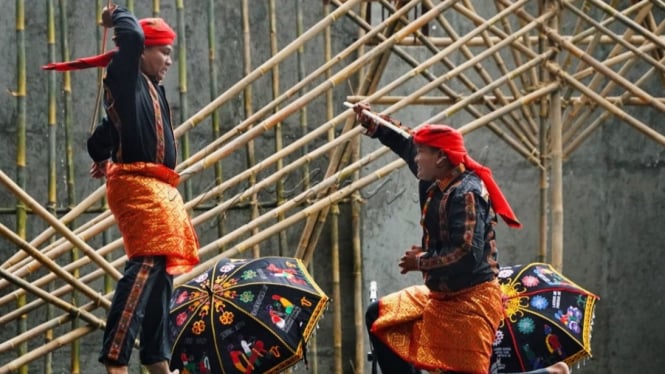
x,y
245,316
547,318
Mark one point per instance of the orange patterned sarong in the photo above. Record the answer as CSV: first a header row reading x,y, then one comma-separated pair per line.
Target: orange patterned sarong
x,y
151,215
441,330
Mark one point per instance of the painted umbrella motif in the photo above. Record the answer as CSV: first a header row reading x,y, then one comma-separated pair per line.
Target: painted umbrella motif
x,y
244,316
547,318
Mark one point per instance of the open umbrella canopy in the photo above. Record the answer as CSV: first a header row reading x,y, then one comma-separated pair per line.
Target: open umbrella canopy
x,y
245,316
547,318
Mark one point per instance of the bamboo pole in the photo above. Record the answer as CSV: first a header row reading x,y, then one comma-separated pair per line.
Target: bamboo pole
x,y
52,148
279,141
544,156
182,85
248,107
357,274
336,291
305,174
216,126
21,162
356,244
301,90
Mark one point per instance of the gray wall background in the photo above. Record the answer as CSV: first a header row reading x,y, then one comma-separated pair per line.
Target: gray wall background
x,y
613,186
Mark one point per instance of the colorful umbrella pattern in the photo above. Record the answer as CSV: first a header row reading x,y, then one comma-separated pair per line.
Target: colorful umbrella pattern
x,y
245,316
547,318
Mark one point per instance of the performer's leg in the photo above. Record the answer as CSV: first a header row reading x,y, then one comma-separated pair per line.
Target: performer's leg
x,y
155,344
389,362
126,314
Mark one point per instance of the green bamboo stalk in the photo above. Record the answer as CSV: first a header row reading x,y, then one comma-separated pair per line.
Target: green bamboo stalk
x,y
247,99
357,274
21,113
182,83
52,169
301,77
356,240
279,187
69,163
216,126
336,290
543,173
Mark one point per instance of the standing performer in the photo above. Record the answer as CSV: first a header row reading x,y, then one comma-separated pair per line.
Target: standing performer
x,y
141,182
449,323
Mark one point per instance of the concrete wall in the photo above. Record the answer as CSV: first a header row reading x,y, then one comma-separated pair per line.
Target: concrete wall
x,y
613,185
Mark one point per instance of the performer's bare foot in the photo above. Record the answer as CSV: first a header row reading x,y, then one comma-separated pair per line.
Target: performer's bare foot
x,y
558,368
161,367
116,369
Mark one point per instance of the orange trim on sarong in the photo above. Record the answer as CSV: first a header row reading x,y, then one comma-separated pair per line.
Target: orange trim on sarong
x,y
151,215
436,330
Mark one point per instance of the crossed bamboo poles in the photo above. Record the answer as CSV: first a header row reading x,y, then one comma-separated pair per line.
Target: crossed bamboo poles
x,y
328,191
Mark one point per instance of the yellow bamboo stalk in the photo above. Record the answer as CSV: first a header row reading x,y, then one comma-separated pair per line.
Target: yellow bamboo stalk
x,y
21,131
248,107
336,291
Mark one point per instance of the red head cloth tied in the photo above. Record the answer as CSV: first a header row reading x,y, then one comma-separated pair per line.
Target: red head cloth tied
x,y
451,142
156,31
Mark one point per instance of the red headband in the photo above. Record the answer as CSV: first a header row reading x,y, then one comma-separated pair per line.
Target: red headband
x,y
451,142
156,32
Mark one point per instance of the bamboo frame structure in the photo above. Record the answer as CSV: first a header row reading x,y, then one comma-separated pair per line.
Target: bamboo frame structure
x,y
541,85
